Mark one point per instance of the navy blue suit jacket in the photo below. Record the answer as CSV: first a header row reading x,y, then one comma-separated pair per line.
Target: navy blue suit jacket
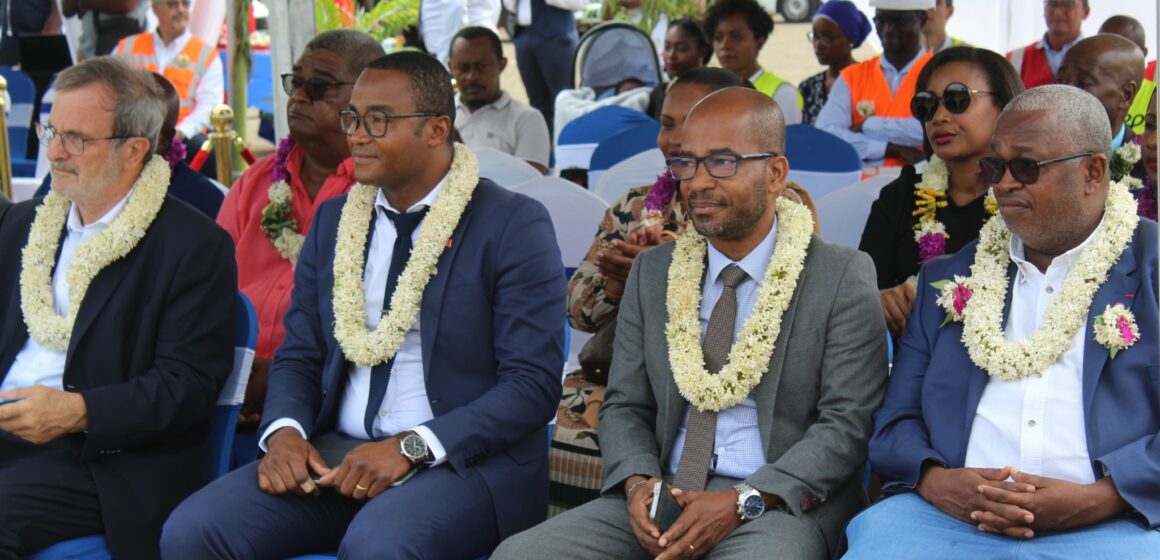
x,y
150,350
492,338
935,388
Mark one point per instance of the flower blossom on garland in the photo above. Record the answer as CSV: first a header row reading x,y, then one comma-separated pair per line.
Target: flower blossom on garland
x,y
981,305
953,297
930,195
278,216
176,153
1146,200
865,108
1116,329
659,196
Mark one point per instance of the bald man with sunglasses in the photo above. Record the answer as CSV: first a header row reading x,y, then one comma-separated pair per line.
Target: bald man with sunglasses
x,y
1022,415
314,165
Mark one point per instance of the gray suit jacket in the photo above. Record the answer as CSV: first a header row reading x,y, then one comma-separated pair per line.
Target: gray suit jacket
x,y
825,380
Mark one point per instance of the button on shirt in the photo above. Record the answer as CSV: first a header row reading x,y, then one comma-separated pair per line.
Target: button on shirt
x,y
35,364
877,131
405,406
737,448
506,125
1036,424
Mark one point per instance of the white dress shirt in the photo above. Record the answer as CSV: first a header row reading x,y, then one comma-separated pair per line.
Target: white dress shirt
x,y
209,91
786,97
836,117
737,448
35,364
405,405
440,20
1036,424
523,8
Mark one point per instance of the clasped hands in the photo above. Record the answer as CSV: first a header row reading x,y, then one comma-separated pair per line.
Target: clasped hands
x,y
1021,506
707,518
615,263
41,414
364,473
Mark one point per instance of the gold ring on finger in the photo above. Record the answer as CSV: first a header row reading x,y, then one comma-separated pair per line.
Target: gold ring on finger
x,y
692,548
360,487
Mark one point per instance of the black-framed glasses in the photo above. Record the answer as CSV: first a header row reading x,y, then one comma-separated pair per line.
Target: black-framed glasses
x,y
956,98
315,88
1024,170
373,122
720,166
72,142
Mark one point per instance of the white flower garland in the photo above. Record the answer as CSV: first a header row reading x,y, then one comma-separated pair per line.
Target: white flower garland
x,y
749,356
45,326
1065,315
1116,329
287,241
929,233
369,348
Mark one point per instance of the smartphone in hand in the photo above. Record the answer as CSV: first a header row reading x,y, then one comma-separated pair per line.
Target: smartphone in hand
x,y
665,510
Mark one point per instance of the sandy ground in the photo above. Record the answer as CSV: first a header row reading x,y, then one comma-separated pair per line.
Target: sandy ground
x,y
787,53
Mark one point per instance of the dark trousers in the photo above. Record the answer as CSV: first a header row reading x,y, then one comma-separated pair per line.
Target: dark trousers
x,y
545,66
437,514
46,496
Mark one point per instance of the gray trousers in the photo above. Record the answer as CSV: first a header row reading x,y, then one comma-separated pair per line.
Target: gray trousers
x,y
600,530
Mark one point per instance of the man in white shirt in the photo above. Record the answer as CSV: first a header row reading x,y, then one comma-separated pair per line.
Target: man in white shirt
x,y
193,66
485,114
464,288
1023,411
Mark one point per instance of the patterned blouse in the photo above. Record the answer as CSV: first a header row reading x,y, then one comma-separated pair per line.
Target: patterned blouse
x,y
813,90
588,308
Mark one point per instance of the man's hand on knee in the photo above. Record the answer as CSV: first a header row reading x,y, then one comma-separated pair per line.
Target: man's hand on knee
x,y
639,501
286,468
708,518
369,469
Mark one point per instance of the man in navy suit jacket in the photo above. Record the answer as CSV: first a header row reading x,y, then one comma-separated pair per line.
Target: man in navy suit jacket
x,y
1059,461
112,432
471,388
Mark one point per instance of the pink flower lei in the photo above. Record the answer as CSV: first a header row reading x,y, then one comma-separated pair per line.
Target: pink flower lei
x,y
280,173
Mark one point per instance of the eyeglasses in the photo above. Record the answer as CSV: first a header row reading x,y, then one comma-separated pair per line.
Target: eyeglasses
x,y
374,122
720,166
956,98
824,40
315,88
1057,4
1024,170
173,4
73,143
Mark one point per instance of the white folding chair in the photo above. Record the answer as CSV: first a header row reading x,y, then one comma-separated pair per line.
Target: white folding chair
x,y
639,170
842,214
822,183
505,169
576,213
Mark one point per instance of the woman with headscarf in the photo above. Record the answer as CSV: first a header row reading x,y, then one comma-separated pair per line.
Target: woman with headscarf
x,y
839,28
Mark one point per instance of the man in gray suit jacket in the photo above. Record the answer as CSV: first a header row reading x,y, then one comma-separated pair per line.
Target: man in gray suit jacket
x,y
767,461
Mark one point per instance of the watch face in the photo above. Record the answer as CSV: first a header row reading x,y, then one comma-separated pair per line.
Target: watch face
x,y
414,447
754,506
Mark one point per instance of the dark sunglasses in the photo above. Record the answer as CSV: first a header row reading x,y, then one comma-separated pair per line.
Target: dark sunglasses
x,y
956,98
315,88
1024,170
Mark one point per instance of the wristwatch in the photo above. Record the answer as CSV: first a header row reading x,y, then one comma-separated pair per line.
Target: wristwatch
x,y
750,504
414,448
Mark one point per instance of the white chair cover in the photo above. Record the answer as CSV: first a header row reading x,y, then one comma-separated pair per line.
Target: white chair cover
x,y
842,214
505,169
641,169
576,213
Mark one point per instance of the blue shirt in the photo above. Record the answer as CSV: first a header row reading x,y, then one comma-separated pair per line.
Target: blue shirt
x,y
738,451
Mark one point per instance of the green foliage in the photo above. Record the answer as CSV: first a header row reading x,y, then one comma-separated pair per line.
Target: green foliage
x,y
386,20
652,10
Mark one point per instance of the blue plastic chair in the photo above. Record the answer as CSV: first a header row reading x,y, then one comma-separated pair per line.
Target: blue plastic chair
x,y
820,161
23,94
579,138
225,421
633,140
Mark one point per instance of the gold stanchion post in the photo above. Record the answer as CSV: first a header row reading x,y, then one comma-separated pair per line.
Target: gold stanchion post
x,y
5,156
222,137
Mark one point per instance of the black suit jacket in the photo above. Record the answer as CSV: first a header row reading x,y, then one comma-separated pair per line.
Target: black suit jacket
x,y
150,350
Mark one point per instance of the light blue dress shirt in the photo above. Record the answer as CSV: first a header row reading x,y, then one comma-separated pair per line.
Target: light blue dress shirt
x,y
738,451
877,132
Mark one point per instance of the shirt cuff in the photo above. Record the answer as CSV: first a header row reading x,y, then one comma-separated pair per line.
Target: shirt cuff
x,y
277,425
433,444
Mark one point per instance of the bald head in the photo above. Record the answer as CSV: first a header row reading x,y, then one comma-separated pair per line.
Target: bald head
x,y
1109,67
753,113
1068,116
1128,28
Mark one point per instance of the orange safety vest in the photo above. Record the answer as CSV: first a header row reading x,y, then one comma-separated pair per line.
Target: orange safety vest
x,y
1032,64
867,83
184,72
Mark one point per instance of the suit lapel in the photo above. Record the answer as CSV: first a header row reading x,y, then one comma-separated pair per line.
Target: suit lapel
x,y
1121,288
432,304
100,291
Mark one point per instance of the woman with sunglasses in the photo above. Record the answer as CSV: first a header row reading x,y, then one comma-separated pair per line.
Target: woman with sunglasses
x,y
839,28
961,92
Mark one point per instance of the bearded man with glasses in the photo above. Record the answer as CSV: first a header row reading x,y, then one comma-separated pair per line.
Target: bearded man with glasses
x,y
269,209
116,328
408,405
1023,412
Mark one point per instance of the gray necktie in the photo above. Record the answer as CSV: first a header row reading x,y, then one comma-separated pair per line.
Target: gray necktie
x,y
693,469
